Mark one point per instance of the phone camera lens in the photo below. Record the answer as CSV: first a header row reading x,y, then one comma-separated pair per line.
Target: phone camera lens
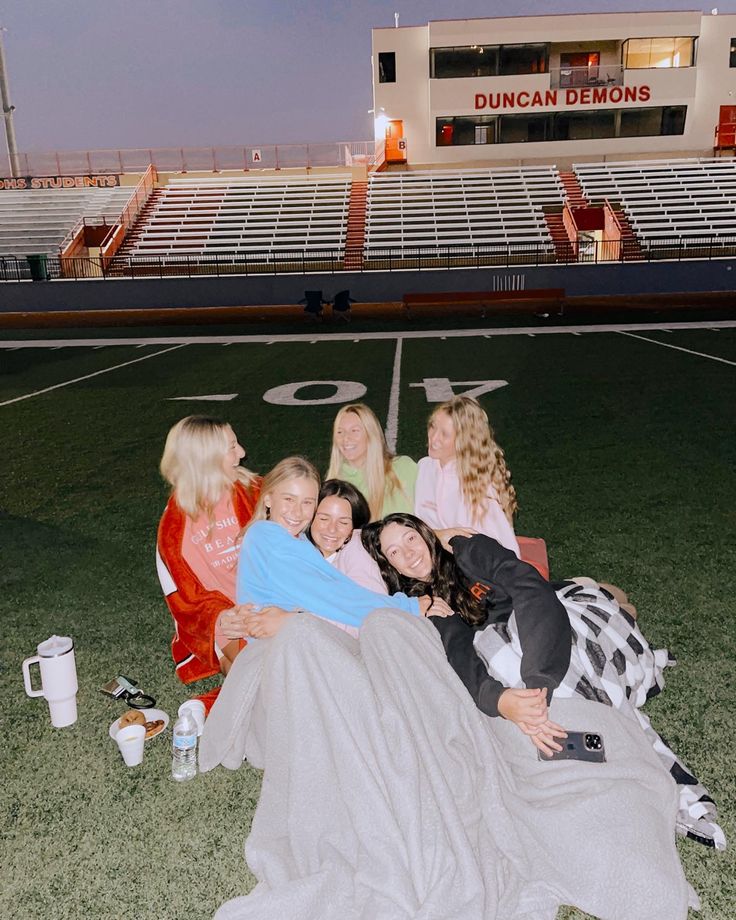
x,y
593,742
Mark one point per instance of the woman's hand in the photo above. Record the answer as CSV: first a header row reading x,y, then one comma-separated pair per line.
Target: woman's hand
x,y
544,736
434,607
232,622
266,622
444,536
524,707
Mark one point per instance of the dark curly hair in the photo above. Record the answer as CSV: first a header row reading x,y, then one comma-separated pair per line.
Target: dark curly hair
x,y
445,581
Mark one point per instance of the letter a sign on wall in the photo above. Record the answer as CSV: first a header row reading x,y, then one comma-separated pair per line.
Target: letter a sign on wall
x,y
255,156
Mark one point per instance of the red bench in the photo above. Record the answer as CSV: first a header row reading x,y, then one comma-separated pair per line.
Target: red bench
x,y
544,297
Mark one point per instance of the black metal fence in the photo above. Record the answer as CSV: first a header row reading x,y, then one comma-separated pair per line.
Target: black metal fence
x,y
39,267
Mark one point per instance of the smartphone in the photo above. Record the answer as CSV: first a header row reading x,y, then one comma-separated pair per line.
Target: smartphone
x,y
586,746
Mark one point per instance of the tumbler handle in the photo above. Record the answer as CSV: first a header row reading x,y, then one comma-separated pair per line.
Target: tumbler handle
x,y
27,676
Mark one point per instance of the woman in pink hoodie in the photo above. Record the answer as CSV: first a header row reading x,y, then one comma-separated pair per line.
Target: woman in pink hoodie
x,y
464,482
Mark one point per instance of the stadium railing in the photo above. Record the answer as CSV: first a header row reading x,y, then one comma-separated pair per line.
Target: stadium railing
x,y
333,261
189,159
119,226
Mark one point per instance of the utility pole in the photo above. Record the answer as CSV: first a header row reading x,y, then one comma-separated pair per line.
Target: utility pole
x,y
8,110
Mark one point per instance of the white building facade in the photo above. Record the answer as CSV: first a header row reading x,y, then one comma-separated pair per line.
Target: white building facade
x,y
556,88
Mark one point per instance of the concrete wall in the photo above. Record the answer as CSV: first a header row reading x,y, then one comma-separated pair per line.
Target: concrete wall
x,y
578,280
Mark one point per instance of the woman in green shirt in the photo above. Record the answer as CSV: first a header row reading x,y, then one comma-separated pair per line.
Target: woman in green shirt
x,y
361,456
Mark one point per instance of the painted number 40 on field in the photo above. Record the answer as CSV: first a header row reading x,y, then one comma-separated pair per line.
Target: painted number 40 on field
x,y
437,389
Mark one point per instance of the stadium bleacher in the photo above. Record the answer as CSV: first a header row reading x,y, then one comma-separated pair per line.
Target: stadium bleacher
x,y
212,215
38,220
439,208
442,217
666,199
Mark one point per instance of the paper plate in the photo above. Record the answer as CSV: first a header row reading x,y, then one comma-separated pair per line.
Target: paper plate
x,y
152,715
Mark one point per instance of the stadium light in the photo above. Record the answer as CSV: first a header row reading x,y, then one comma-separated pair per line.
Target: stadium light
x,y
380,123
8,110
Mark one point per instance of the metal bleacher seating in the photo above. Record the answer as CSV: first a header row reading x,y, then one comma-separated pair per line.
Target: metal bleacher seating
x,y
38,220
218,216
470,207
668,199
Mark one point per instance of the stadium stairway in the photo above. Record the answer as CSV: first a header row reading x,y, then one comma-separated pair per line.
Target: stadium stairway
x,y
135,231
573,190
553,216
355,232
560,239
631,251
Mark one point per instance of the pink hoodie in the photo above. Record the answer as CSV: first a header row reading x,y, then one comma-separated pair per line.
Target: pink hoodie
x,y
438,501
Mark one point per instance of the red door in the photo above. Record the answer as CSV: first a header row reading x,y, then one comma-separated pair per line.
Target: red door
x,y
726,131
395,142
579,68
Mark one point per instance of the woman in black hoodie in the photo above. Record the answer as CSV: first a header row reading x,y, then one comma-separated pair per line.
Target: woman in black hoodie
x,y
483,583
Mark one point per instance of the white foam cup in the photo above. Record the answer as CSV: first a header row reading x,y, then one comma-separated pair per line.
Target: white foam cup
x,y
59,686
131,741
196,708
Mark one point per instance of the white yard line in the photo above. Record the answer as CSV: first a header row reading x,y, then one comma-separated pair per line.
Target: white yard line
x,y
105,370
365,336
392,422
688,351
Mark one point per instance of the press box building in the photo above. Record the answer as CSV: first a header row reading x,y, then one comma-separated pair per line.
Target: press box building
x,y
556,88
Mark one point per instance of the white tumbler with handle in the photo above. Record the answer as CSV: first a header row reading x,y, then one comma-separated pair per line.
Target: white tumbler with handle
x,y
59,686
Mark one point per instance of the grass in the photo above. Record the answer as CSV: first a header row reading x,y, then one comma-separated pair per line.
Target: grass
x,y
623,457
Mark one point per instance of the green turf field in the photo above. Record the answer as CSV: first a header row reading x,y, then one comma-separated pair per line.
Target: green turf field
x,y
622,452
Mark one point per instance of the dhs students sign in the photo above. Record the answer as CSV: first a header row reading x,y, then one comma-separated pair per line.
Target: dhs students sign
x,y
56,182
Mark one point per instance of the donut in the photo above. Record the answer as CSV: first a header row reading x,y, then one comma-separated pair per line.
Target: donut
x,y
132,717
153,728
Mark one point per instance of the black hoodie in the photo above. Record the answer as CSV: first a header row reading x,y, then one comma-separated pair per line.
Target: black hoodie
x,y
507,584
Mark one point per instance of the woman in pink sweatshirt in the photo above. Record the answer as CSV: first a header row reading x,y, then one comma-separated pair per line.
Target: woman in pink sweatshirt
x,y
464,482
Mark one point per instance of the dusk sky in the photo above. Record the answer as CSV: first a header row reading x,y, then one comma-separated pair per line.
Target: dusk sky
x,y
145,73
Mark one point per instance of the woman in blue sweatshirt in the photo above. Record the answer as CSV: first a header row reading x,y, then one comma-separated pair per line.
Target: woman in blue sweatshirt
x,y
283,573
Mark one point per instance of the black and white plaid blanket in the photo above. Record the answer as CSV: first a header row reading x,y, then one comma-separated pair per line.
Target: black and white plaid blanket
x,y
611,663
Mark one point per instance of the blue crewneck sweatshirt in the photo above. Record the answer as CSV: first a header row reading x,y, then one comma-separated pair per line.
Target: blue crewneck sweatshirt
x,y
276,568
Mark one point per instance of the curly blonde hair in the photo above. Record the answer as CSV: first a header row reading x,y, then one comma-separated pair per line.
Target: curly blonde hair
x,y
192,464
480,461
379,473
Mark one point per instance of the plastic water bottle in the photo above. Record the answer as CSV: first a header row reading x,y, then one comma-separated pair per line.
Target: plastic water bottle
x,y
184,759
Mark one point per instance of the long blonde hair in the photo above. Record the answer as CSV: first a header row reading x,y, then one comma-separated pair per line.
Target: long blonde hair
x,y
192,464
481,464
288,468
380,477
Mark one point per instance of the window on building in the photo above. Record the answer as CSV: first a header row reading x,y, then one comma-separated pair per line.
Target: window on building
x,y
732,59
673,119
468,130
651,122
386,66
487,60
518,59
470,61
580,126
579,68
463,131
658,52
521,129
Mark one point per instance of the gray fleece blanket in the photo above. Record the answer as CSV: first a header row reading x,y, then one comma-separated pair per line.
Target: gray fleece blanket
x,y
387,795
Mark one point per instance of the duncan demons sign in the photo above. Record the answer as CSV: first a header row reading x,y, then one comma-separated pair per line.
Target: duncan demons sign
x,y
54,182
551,98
